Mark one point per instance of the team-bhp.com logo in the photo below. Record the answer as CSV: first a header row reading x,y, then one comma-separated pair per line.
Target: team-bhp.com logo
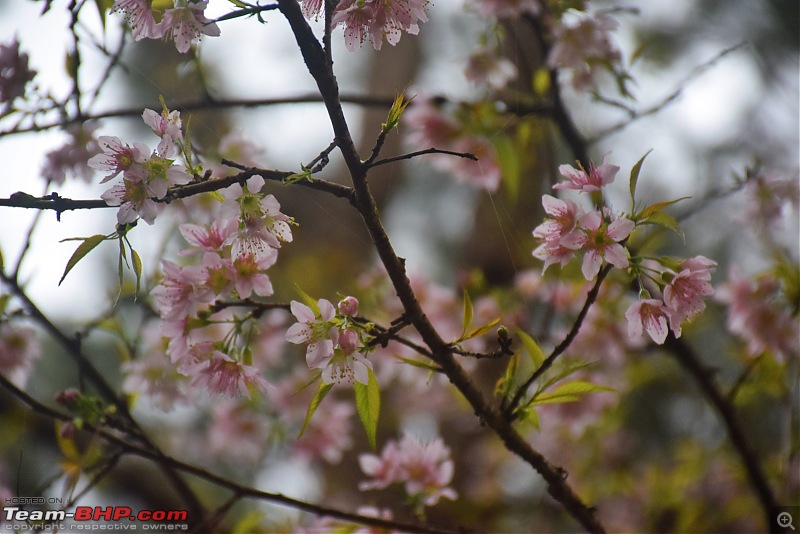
x,y
23,516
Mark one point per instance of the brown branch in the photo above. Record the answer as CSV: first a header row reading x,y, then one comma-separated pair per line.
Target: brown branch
x,y
431,150
125,446
314,58
704,377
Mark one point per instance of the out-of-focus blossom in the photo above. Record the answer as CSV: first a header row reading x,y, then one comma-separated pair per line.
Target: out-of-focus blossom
x,y
583,44
14,72
506,9
237,433
769,194
424,469
72,159
328,434
486,65
18,350
756,315
222,375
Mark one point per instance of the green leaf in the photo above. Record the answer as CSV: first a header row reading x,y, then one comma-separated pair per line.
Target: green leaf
x,y
137,267
508,160
468,314
417,363
532,348
4,299
481,330
398,107
368,404
1,260
568,392
89,243
655,208
667,221
570,369
308,300
504,385
635,179
323,390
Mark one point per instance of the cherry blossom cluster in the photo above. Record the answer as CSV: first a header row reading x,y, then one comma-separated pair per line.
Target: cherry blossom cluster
x,y
183,24
425,469
571,230
146,175
600,236
377,20
236,250
583,44
336,343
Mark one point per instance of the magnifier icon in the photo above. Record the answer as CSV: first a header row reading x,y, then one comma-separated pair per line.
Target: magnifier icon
x,y
785,520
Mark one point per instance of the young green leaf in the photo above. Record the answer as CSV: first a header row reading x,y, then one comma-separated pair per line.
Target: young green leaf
x,y
506,382
137,267
398,107
468,314
568,392
665,220
422,365
368,404
635,178
655,208
308,300
478,331
323,390
89,243
532,348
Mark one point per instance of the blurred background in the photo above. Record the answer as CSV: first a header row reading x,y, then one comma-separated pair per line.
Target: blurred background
x,y
725,113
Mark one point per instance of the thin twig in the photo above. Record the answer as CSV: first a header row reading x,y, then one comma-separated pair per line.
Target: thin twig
x,y
591,297
431,150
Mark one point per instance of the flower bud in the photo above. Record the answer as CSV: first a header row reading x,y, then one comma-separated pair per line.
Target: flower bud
x,y
348,341
348,306
68,398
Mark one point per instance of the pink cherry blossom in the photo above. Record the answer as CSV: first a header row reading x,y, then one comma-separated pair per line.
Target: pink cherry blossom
x,y
563,221
135,200
594,180
249,275
139,16
685,293
648,315
222,375
312,8
210,237
117,157
599,240
184,24
176,295
318,332
167,126
378,20
237,433
384,470
768,196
